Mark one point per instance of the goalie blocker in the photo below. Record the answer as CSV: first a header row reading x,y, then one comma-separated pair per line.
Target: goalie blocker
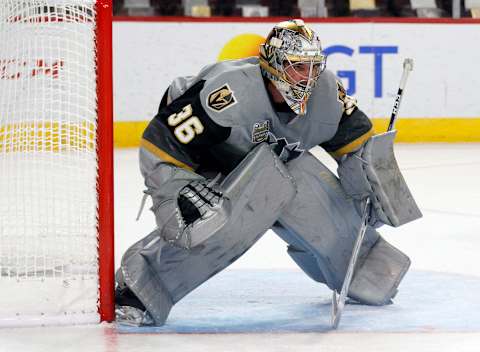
x,y
373,172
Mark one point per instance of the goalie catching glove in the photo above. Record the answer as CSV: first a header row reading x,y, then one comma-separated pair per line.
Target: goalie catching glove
x,y
201,206
196,199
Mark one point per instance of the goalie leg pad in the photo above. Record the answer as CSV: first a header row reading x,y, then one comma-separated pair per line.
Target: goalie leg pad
x,y
136,273
376,279
321,225
322,220
160,273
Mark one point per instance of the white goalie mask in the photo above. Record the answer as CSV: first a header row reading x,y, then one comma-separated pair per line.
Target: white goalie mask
x,y
292,59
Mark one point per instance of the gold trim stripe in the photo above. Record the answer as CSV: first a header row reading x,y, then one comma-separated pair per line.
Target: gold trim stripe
x,y
163,155
354,145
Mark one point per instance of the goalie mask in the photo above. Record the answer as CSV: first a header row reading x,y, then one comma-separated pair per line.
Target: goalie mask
x,y
292,59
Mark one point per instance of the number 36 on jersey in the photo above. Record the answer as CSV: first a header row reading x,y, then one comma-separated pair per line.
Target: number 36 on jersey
x,y
186,126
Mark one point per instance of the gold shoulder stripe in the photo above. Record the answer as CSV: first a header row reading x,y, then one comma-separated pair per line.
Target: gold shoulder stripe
x,y
152,148
354,145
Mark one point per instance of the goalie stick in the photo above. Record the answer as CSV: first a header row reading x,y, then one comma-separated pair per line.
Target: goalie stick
x,y
338,300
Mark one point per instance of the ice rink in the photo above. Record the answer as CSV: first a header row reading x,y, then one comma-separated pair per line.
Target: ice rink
x,y
263,303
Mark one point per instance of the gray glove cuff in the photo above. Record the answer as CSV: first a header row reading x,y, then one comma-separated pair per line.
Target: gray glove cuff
x,y
353,177
354,181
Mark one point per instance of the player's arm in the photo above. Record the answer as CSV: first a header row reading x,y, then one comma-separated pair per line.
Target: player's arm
x,y
179,137
182,132
354,129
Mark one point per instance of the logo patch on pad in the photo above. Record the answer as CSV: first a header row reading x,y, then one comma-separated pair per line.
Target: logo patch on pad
x,y
221,98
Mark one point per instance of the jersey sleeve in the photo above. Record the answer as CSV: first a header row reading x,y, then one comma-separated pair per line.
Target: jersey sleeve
x,y
354,129
182,132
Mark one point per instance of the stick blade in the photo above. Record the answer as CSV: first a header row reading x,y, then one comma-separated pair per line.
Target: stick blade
x,y
336,312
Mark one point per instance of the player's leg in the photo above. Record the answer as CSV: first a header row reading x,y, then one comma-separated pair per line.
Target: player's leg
x,y
321,224
159,272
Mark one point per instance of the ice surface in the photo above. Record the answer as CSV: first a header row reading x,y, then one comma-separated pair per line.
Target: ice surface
x,y
252,301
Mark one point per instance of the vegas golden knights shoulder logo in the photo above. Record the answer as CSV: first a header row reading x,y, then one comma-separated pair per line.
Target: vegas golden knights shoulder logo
x,y
221,98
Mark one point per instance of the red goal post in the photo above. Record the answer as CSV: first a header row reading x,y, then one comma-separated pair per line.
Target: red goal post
x,y
56,162
105,158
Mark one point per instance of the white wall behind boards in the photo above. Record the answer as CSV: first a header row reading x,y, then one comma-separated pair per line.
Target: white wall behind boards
x,y
367,56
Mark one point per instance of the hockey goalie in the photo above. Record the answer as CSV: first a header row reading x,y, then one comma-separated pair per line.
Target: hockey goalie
x,y
226,158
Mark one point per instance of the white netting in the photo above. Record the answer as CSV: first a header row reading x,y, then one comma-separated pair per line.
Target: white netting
x,y
48,198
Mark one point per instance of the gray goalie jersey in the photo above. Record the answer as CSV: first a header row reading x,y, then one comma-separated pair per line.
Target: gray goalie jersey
x,y
209,122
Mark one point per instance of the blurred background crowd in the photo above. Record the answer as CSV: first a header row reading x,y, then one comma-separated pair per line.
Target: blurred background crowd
x,y
300,8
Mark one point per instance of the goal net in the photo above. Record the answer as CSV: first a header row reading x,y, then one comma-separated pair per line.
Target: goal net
x,y
49,164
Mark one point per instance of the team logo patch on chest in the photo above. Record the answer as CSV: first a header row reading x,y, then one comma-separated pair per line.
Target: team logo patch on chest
x,y
221,98
260,131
